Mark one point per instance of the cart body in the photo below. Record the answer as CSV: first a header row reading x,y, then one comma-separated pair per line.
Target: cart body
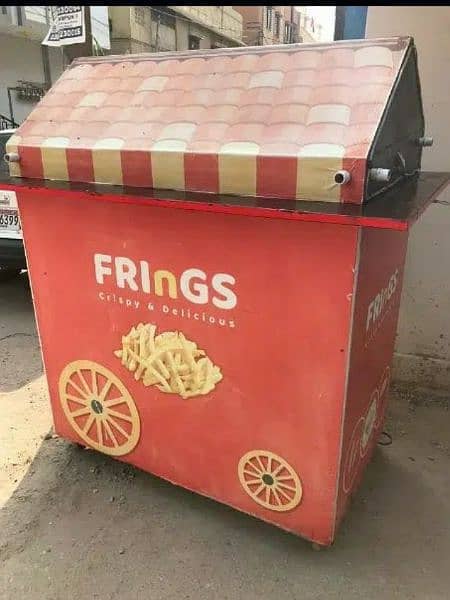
x,y
236,345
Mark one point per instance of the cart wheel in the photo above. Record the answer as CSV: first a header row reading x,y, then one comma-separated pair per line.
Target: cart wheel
x,y
269,480
7,273
99,407
383,396
317,547
369,422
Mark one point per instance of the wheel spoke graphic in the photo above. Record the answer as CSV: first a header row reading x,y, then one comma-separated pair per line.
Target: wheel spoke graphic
x,y
81,412
94,382
110,434
280,491
99,432
105,391
117,426
369,422
252,481
84,382
278,469
252,472
259,461
78,389
101,428
88,424
114,401
119,415
286,487
277,497
81,401
256,468
259,490
277,487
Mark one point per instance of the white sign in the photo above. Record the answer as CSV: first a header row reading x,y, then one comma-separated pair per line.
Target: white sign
x,y
100,26
8,199
9,216
67,26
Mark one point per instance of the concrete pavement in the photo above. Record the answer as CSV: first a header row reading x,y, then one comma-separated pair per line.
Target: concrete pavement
x,y
78,525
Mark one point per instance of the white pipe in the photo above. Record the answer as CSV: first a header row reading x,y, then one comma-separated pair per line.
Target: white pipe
x,y
426,141
11,157
382,175
342,177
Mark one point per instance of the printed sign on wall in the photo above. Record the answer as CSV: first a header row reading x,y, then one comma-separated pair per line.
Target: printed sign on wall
x,y
67,26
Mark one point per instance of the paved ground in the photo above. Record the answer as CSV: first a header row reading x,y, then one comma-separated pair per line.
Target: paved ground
x,y
77,525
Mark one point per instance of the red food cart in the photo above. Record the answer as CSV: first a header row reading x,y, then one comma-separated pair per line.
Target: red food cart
x,y
216,243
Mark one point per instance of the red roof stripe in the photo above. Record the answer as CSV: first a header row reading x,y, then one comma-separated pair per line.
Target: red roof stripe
x,y
79,164
31,162
136,168
268,180
201,172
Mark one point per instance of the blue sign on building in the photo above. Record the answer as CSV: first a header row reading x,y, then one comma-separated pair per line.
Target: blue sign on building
x,y
350,22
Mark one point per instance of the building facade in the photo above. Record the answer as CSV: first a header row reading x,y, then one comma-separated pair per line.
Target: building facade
x,y
265,25
310,30
423,341
136,29
27,68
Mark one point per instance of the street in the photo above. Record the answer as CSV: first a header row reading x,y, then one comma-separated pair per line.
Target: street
x,y
77,524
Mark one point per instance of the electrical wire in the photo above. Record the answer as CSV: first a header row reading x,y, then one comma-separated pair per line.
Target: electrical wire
x,y
388,440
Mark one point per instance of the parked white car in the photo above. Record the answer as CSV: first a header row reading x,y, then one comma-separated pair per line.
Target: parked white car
x,y
12,255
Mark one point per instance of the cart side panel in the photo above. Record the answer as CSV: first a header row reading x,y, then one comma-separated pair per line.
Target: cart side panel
x,y
277,329
378,292
402,126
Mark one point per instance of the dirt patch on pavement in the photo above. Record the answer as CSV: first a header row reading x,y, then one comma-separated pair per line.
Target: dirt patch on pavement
x,y
76,524
14,373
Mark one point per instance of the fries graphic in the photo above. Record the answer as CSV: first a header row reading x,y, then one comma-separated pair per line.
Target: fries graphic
x,y
169,361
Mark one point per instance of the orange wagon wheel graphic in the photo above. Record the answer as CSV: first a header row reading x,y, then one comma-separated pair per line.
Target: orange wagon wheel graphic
x,y
99,407
270,480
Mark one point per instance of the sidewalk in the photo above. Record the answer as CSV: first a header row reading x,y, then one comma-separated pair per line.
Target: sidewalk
x,y
79,525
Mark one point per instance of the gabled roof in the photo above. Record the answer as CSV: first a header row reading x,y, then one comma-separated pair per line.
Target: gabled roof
x,y
269,121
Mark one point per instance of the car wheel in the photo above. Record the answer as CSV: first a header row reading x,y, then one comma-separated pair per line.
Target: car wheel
x,y
7,273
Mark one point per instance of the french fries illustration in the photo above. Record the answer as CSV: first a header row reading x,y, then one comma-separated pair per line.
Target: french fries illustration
x,y
174,364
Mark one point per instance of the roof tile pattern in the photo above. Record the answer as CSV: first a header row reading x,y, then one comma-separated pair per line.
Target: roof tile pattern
x,y
276,122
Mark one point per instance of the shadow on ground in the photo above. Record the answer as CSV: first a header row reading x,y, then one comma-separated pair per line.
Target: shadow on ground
x,y
82,525
18,336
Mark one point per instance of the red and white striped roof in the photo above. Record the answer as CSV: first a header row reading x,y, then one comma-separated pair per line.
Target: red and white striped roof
x,y
274,121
